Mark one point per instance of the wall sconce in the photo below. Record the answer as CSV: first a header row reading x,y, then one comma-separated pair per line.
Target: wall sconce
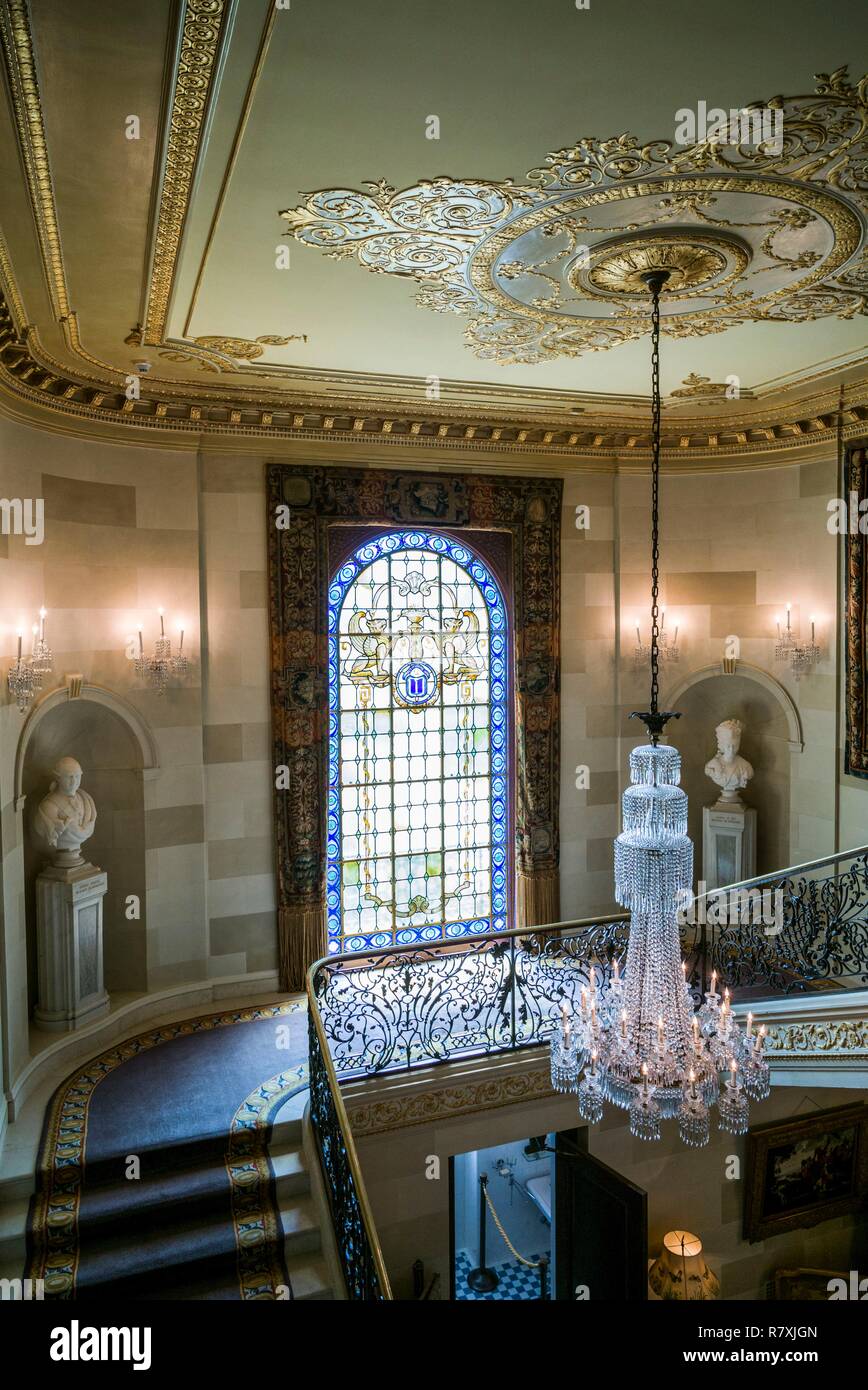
x,y
28,672
667,646
680,1270
800,655
159,668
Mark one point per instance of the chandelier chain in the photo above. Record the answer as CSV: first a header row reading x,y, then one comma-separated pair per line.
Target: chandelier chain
x,y
655,496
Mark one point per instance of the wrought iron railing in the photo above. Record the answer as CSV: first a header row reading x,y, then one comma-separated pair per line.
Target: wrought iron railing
x,y
408,1006
362,1261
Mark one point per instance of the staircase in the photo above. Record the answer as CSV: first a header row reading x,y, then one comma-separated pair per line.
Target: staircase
x,y
157,1260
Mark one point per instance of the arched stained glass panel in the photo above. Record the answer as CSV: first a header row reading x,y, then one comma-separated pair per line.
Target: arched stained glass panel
x,y
418,748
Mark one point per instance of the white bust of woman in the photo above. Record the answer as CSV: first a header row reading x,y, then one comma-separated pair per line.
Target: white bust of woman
x,y
66,817
727,768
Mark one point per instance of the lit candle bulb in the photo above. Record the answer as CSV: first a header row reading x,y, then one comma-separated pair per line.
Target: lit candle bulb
x,y
675,636
660,1032
616,969
584,1000
778,625
638,636
749,1024
592,980
624,1024
162,628
593,1059
714,982
141,647
34,630
181,642
43,614
696,1038
19,645
812,632
789,606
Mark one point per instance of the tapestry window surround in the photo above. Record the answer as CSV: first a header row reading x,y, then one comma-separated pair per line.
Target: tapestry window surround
x,y
418,801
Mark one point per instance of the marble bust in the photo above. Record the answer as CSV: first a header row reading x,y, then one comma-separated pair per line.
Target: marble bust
x,y
66,817
727,768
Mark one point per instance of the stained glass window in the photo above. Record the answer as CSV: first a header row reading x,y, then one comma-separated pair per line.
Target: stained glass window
x,y
418,749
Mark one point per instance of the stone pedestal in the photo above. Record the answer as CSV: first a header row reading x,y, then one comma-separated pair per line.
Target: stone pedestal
x,y
728,844
69,937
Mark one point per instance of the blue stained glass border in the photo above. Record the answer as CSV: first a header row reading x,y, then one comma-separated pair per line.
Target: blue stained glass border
x,y
347,573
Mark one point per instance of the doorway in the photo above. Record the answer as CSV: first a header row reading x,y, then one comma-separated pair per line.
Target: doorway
x,y
541,1218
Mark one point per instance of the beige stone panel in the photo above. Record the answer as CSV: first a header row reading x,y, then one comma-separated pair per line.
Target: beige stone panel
x,y
589,622
230,781
727,589
593,489
600,590
819,479
601,721
221,743
816,837
581,822
221,966
180,867
245,704
175,785
249,932
254,589
597,525
601,854
95,504
256,742
176,591
226,820
816,692
813,798
74,542
90,586
259,814
175,825
177,705
757,621
233,897
232,473
239,858
178,744
573,655
587,556
252,549
224,669
165,976
153,509
219,513
251,512
223,590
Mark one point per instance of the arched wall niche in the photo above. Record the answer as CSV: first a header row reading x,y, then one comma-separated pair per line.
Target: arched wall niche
x,y
115,748
772,736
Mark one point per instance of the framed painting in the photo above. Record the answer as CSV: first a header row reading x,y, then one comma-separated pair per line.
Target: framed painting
x,y
805,1170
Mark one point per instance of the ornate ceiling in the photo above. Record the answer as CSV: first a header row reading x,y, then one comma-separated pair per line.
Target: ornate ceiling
x,y
183,180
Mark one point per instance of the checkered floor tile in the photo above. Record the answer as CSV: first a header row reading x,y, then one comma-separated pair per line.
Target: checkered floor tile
x,y
516,1281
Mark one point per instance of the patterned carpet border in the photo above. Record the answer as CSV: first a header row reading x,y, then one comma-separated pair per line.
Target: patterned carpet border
x,y
258,1236
54,1226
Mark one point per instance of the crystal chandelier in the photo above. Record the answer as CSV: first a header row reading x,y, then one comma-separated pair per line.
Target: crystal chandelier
x,y
28,672
801,656
638,1041
160,667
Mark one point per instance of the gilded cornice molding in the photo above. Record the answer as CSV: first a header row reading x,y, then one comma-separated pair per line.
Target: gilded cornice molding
x,y
202,28
17,44
28,373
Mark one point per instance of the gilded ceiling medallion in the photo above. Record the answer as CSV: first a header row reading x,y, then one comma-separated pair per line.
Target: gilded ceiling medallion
x,y
692,260
750,233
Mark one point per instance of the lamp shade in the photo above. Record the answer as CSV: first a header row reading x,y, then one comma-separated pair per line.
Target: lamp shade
x,y
680,1270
